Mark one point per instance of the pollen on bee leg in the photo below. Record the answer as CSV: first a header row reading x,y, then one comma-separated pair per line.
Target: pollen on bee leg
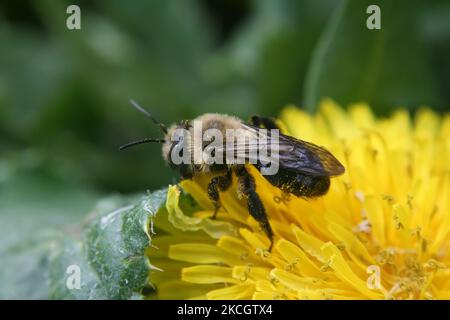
x,y
240,190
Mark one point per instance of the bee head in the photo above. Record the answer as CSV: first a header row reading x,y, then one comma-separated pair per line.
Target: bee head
x,y
174,138
174,143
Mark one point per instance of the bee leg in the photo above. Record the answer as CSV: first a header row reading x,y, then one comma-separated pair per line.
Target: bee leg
x,y
265,122
221,183
255,206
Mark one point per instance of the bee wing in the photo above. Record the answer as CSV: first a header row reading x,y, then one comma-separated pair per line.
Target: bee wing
x,y
306,157
293,154
248,149
298,155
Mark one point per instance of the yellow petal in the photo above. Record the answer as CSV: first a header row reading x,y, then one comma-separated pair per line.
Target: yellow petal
x,y
207,274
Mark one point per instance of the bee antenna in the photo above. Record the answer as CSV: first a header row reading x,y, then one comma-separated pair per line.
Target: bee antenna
x,y
140,109
146,140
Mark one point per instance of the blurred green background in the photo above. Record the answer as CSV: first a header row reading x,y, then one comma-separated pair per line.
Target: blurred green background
x,y
64,94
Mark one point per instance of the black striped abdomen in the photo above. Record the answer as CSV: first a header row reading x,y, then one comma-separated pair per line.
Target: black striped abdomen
x,y
300,184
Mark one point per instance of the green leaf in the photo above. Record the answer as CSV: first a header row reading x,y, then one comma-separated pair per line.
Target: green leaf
x,y
110,255
34,205
24,271
385,68
43,233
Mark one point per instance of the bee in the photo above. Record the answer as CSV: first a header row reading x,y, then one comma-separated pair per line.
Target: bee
x,y
304,169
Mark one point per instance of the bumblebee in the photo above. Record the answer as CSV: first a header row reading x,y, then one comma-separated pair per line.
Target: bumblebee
x,y
304,169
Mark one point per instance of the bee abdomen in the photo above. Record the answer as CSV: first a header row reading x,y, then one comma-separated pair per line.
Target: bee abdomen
x,y
310,186
300,184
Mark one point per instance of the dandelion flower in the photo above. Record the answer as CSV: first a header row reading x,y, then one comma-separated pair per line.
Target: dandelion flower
x,y
381,232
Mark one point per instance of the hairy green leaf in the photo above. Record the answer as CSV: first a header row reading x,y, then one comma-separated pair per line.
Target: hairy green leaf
x,y
109,257
44,237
